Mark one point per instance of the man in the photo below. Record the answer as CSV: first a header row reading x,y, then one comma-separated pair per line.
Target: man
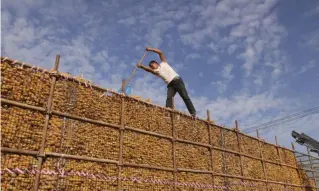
x,y
172,79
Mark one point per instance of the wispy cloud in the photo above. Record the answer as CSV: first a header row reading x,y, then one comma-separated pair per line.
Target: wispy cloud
x,y
311,64
312,40
192,56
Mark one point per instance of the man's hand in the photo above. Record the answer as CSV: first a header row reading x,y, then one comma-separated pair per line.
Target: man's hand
x,y
139,65
159,52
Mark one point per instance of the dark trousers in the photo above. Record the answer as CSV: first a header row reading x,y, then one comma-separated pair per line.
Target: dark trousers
x,y
177,85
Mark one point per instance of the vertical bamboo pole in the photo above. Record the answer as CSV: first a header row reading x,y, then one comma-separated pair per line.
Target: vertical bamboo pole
x,y
240,156
223,157
262,160
174,146
280,160
46,124
296,162
311,166
122,129
211,145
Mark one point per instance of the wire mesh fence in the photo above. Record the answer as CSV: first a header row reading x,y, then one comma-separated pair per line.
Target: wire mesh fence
x,y
93,138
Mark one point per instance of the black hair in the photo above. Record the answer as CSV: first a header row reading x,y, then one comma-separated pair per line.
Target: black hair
x,y
151,62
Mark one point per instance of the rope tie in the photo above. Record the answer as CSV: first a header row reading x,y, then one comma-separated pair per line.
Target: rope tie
x,y
22,64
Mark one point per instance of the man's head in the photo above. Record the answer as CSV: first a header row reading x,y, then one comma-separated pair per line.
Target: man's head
x,y
153,64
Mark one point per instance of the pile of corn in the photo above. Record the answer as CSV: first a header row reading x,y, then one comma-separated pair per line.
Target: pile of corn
x,y
216,136
201,179
188,129
24,85
82,139
79,100
23,129
147,117
143,175
17,182
78,183
146,149
253,168
249,146
192,157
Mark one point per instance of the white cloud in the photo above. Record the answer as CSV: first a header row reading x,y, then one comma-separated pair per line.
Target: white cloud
x,y
250,59
128,21
221,86
311,64
192,56
231,49
226,72
312,12
312,40
213,59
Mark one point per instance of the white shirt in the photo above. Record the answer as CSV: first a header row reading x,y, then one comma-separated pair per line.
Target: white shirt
x,y
165,72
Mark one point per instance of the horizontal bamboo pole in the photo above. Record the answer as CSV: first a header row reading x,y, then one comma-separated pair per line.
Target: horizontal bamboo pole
x,y
23,105
97,122
19,151
52,154
149,133
194,171
194,143
91,159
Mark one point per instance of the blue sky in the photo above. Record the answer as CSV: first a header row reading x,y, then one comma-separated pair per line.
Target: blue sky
x,y
253,61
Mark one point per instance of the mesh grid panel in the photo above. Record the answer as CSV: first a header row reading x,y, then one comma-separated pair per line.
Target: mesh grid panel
x,y
146,149
252,168
24,85
194,181
138,179
78,175
249,146
142,116
189,129
192,157
75,99
82,138
15,180
230,140
21,128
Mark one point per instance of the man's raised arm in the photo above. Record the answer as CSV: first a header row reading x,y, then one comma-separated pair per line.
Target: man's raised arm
x,y
159,52
147,69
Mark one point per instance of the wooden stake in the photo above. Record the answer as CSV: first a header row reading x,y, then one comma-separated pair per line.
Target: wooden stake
x,y
208,115
236,123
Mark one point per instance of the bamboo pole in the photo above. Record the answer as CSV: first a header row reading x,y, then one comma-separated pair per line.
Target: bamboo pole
x,y
311,167
174,145
46,124
122,130
240,156
223,156
280,159
262,160
211,145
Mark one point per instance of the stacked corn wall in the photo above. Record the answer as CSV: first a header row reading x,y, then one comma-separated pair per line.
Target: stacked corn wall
x,y
96,139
